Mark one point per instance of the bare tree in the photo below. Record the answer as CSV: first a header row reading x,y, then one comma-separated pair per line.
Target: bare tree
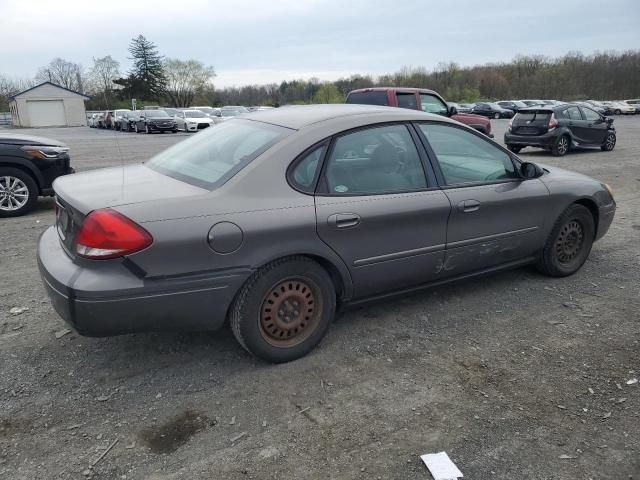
x,y
103,72
9,87
64,73
185,79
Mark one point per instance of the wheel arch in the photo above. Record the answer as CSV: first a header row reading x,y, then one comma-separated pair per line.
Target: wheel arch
x,y
593,208
24,167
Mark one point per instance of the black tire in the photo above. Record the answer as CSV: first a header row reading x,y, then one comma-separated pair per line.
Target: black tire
x,y
609,142
514,148
561,147
146,129
174,131
569,243
496,115
287,334
135,128
618,112
32,191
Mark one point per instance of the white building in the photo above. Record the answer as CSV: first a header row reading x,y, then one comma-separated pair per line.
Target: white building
x,y
48,105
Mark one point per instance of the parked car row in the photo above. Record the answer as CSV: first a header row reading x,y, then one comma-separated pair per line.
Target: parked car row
x,y
497,109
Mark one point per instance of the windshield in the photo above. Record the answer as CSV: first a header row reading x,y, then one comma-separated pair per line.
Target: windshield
x,y
208,110
194,114
156,114
213,156
519,104
231,113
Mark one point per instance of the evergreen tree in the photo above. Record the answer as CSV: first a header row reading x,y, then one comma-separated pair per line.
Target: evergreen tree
x,y
147,68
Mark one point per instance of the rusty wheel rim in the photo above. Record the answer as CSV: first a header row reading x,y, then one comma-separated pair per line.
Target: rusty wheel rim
x,y
290,312
569,242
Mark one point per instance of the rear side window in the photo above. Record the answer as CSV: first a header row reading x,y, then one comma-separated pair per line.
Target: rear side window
x,y
303,174
369,98
465,158
407,100
373,161
573,113
213,156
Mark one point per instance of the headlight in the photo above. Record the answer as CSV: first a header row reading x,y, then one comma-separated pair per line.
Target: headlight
x,y
609,189
44,152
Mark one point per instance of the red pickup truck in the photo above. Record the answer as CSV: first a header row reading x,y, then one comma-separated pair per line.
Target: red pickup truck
x,y
417,99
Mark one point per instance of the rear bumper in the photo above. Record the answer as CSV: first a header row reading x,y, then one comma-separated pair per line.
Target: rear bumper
x,y
545,141
106,298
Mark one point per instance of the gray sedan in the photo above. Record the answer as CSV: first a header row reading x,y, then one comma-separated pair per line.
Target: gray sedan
x,y
275,219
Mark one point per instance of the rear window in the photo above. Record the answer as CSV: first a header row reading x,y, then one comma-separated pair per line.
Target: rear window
x,y
537,116
213,156
368,98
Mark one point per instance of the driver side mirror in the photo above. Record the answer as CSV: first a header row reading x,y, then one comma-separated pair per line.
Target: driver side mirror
x,y
530,170
453,111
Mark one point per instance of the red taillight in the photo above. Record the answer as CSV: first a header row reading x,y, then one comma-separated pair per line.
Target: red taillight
x,y
553,123
108,234
511,123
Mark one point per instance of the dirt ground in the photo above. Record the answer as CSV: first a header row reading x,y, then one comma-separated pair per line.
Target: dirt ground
x,y
516,376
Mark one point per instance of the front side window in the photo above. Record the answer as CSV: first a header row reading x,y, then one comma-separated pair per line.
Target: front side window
x,y
432,104
216,154
590,115
466,158
373,161
407,100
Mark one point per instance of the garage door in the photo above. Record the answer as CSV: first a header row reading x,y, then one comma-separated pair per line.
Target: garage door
x,y
46,113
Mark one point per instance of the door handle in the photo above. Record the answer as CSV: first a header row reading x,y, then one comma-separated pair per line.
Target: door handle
x,y
467,206
343,220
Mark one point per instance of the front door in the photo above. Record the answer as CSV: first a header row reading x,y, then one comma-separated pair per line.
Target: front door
x,y
595,129
496,216
379,212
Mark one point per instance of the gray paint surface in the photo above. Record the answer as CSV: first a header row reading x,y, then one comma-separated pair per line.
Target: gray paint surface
x,y
402,240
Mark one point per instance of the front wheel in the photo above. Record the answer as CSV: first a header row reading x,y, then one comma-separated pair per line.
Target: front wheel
x,y
609,142
135,128
284,309
18,192
561,147
514,148
618,112
496,115
146,129
569,243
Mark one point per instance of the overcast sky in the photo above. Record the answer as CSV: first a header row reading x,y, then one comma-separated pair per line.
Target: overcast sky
x,y
263,41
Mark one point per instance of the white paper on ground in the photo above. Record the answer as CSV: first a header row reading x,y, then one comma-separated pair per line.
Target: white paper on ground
x,y
441,466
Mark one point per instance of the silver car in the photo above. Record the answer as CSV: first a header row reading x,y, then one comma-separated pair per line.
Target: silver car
x,y
275,219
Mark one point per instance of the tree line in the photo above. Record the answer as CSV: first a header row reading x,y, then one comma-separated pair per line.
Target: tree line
x,y
154,79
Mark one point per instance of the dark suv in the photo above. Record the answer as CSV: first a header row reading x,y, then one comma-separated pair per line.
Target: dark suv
x,y
28,167
559,129
417,99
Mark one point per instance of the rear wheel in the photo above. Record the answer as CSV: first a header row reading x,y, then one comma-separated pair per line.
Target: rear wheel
x,y
569,243
284,309
609,142
514,148
496,115
561,147
18,192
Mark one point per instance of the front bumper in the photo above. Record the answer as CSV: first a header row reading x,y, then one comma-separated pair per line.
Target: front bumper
x,y
546,140
605,218
104,298
162,128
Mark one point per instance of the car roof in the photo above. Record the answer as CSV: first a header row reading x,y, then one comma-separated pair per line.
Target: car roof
x,y
394,89
299,116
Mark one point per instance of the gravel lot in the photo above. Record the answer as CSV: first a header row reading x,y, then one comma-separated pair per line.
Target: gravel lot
x,y
517,376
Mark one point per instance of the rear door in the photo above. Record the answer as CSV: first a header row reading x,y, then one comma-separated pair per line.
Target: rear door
x,y
531,122
407,100
496,216
577,124
377,210
595,128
